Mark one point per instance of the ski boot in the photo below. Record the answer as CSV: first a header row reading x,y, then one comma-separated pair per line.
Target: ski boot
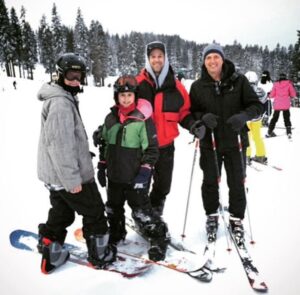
x,y
289,132
117,231
260,159
248,160
212,227
159,238
270,134
53,255
158,249
100,253
237,229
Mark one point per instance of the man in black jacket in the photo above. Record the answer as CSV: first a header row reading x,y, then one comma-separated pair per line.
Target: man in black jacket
x,y
224,101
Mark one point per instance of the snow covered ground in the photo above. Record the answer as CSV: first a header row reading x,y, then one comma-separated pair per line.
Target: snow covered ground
x,y
273,200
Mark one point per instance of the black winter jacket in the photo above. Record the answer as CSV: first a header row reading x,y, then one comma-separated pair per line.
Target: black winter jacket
x,y
232,95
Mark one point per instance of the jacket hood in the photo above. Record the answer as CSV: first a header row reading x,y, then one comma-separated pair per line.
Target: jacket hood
x,y
159,80
48,91
145,107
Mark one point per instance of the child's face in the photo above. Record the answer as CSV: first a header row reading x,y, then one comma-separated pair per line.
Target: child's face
x,y
126,98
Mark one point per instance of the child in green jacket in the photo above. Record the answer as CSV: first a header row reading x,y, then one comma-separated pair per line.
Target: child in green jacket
x,y
128,150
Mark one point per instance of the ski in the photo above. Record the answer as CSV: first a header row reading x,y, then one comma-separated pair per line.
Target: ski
x,y
175,260
209,252
254,278
128,267
254,167
269,165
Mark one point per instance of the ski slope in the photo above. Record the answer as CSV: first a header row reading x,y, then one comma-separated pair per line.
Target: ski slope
x,y
273,202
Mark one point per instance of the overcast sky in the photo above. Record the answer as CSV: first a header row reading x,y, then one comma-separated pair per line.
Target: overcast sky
x,y
262,22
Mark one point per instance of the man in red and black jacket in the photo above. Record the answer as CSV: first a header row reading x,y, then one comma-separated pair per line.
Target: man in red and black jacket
x,y
171,106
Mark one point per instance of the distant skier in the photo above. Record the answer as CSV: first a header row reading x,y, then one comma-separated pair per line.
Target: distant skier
x,y
65,166
255,124
128,152
15,84
282,93
266,84
224,101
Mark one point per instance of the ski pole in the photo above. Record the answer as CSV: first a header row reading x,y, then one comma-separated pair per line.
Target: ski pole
x,y
190,186
220,196
244,181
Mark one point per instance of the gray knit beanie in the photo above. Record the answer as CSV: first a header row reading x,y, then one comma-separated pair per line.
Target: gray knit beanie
x,y
213,48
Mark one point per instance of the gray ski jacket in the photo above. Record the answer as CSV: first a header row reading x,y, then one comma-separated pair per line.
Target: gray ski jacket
x,y
63,154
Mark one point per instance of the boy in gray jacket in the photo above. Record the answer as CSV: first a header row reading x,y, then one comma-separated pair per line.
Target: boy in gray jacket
x,y
65,166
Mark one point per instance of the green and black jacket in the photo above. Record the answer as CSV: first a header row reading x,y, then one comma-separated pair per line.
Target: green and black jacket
x,y
128,145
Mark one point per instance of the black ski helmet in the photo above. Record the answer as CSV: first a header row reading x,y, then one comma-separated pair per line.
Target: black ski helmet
x,y
126,83
71,61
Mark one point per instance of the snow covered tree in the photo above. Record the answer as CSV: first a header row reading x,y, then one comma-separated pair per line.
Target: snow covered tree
x,y
195,60
45,38
98,53
113,48
16,39
6,52
137,49
57,33
69,39
81,36
30,50
296,57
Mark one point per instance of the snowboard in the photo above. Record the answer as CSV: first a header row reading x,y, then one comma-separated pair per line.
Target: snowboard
x,y
177,260
128,267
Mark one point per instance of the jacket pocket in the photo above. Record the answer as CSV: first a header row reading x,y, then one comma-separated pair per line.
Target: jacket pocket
x,y
171,121
172,101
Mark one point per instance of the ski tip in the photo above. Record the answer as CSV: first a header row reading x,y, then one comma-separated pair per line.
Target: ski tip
x,y
259,287
252,242
229,249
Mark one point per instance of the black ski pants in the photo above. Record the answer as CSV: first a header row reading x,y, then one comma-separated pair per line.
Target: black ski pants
x,y
235,180
87,203
162,176
286,118
137,199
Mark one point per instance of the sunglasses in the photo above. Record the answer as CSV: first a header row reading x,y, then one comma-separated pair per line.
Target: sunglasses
x,y
72,75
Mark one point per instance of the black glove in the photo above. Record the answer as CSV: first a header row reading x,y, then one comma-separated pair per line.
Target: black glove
x,y
210,120
101,174
97,136
198,129
141,181
238,121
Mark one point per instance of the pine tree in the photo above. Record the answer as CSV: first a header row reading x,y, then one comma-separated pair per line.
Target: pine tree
x,y
81,42
98,53
113,45
137,49
69,39
45,38
57,33
6,52
296,57
16,39
30,50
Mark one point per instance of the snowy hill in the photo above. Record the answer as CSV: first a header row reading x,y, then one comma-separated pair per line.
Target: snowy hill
x,y
273,200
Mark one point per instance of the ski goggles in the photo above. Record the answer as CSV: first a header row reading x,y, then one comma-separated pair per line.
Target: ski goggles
x,y
72,75
126,84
